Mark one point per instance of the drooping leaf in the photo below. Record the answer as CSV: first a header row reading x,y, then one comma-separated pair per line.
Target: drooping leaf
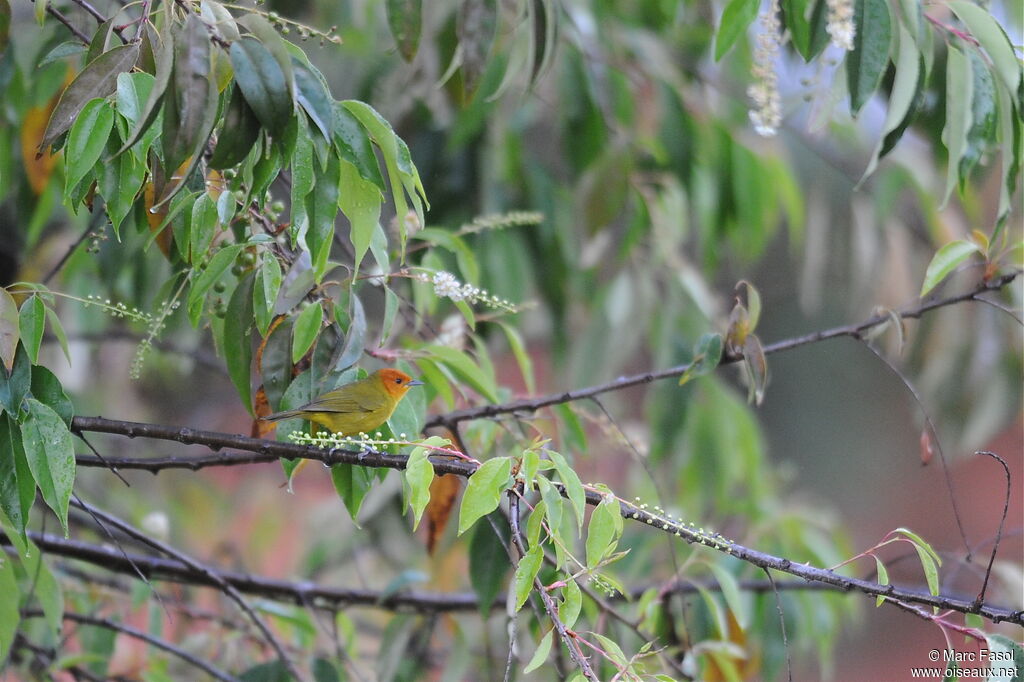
x,y
573,486
148,114
15,384
97,79
202,227
86,141
405,18
603,531
540,655
47,389
9,329
360,201
905,91
17,486
866,63
736,18
475,25
237,323
31,322
322,208
50,455
263,83
239,134
187,121
352,482
314,97
483,492
987,31
526,572
488,565
264,293
419,474
706,355
355,335
354,146
10,614
307,328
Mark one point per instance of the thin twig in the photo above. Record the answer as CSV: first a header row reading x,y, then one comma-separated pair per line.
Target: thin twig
x,y
1002,520
530,405
164,645
782,624
575,652
930,425
93,224
56,14
226,587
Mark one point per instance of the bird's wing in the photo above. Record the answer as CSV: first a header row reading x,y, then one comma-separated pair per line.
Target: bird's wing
x,y
332,402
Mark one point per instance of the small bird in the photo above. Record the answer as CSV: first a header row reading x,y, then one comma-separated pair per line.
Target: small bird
x,y
357,407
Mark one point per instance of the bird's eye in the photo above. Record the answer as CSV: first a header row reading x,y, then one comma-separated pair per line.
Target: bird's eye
x,y
398,380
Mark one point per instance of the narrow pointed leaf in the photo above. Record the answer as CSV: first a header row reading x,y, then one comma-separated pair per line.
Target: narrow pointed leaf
x,y
51,456
866,63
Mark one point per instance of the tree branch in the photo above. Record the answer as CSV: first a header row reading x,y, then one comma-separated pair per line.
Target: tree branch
x,y
267,451
529,405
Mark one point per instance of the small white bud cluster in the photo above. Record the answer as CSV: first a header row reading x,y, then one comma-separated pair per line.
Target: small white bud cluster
x,y
447,286
766,114
839,23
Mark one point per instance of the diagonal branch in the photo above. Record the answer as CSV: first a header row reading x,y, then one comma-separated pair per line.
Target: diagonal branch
x,y
529,405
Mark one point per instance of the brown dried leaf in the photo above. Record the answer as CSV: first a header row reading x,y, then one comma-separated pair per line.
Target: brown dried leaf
x,y
444,490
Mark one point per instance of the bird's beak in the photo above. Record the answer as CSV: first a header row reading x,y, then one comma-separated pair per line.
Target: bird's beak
x,y
415,382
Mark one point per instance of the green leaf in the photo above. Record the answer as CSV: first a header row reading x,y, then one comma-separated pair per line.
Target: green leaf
x,y
17,486
190,109
707,353
731,591
883,579
30,325
401,173
736,18
10,329
542,652
945,261
148,114
15,386
755,364
573,486
419,473
86,141
202,227
315,98
119,181
866,63
238,135
484,491
355,335
220,19
405,18
322,208
264,292
97,79
237,322
959,95
352,482
58,330
10,615
353,144
612,650
307,328
47,389
982,133
1007,656
133,90
572,603
984,27
603,531
488,565
214,270
69,48
526,573
51,456
263,83
905,90
360,201
269,37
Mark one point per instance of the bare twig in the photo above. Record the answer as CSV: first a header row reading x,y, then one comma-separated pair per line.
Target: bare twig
x,y
782,624
226,587
164,645
530,405
1002,520
930,425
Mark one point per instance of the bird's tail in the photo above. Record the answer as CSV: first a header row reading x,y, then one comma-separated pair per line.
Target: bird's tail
x,y
278,416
